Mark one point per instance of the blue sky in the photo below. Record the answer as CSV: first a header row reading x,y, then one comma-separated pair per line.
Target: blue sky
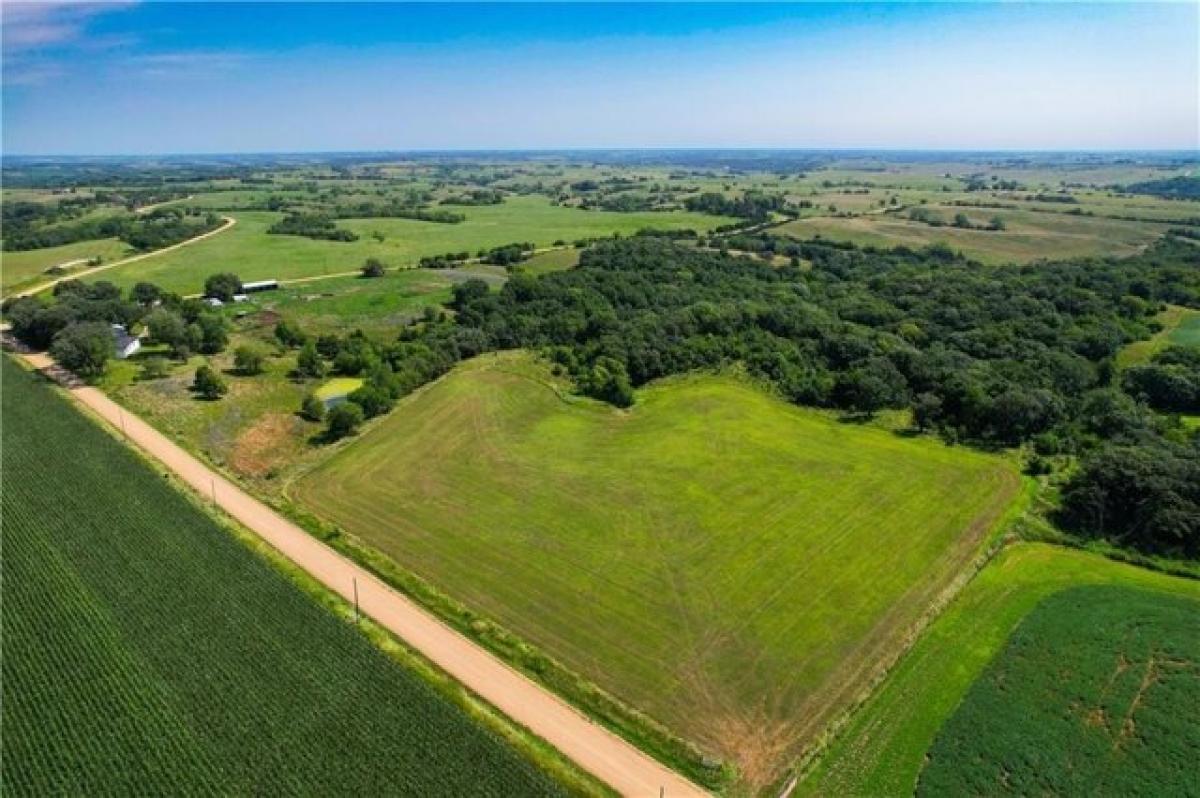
x,y
124,78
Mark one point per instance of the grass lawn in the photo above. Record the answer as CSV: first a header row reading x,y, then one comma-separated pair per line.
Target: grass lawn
x,y
1029,235
20,269
336,387
729,563
1096,692
149,652
1180,327
1187,331
882,750
250,252
556,260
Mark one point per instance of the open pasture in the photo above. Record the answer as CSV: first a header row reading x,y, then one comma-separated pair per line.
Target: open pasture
x,y
379,305
729,563
253,254
28,267
1096,692
882,749
147,651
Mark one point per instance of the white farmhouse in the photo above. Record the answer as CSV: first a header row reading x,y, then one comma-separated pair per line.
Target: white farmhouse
x,y
124,343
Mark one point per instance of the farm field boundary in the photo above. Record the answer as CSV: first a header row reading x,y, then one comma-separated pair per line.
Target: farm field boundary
x,y
601,753
150,650
882,748
710,485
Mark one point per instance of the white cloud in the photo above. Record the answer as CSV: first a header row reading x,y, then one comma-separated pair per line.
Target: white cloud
x,y
42,25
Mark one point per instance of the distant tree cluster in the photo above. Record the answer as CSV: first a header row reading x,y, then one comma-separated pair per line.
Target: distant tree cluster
x,y
311,225
508,254
447,261
481,196
395,210
755,205
1186,188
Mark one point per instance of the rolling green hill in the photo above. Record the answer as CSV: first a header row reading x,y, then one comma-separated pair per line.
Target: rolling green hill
x,y
729,563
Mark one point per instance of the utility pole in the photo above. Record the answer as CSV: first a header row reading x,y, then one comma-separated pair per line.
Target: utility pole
x,y
214,491
356,601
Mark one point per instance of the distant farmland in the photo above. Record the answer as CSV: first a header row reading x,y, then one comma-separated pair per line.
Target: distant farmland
x,y
1028,235
1096,693
146,651
732,564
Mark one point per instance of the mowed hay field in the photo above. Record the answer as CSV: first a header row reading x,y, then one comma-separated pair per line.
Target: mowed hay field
x,y
253,254
1097,692
147,651
883,748
731,564
1029,235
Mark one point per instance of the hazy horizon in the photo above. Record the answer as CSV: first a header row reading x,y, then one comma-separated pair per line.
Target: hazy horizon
x,y
134,78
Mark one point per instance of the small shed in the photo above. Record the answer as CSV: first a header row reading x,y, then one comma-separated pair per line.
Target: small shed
x,y
124,343
260,285
213,302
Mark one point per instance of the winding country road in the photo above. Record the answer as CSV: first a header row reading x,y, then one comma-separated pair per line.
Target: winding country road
x,y
594,748
39,288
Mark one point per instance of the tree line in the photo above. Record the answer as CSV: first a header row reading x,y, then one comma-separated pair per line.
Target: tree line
x,y
160,228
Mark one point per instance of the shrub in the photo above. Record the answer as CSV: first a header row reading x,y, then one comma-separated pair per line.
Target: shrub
x,y
208,383
373,268
312,408
344,419
309,362
222,286
83,347
249,360
154,368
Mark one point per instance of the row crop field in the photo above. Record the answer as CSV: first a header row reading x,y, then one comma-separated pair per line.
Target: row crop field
x,y
253,254
883,748
729,563
148,651
1096,693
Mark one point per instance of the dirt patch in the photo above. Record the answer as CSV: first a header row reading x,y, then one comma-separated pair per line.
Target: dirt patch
x,y
756,745
264,445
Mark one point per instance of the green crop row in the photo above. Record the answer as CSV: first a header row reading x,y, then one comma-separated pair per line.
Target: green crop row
x,y
148,651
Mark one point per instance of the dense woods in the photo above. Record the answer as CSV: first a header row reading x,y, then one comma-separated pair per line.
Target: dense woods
x,y
1171,188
